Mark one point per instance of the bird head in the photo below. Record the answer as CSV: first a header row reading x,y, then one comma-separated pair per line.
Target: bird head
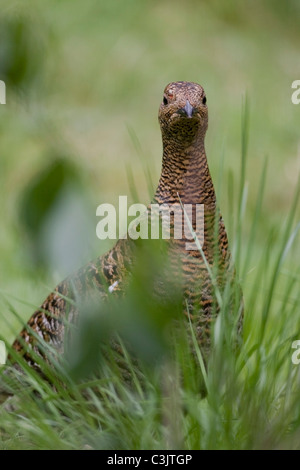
x,y
183,111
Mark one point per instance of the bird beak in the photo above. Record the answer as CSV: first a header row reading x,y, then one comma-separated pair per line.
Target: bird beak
x,y
188,109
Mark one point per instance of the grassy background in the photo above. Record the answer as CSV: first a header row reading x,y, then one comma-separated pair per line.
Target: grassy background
x,y
83,78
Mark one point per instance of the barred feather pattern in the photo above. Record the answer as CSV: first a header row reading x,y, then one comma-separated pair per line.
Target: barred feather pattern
x,y
185,179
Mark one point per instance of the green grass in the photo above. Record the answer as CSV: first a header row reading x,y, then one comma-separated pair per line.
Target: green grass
x,y
245,398
86,92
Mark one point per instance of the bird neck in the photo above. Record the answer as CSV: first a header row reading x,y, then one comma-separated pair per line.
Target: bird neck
x,y
185,174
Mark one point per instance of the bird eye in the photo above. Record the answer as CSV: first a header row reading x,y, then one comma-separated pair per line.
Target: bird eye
x,y
204,100
165,101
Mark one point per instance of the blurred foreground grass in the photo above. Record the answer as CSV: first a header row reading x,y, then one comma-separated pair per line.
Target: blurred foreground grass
x,y
79,79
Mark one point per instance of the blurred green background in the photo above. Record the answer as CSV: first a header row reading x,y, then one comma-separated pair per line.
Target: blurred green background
x,y
83,78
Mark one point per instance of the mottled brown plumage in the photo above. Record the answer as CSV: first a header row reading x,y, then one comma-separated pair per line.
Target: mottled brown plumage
x,y
185,176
